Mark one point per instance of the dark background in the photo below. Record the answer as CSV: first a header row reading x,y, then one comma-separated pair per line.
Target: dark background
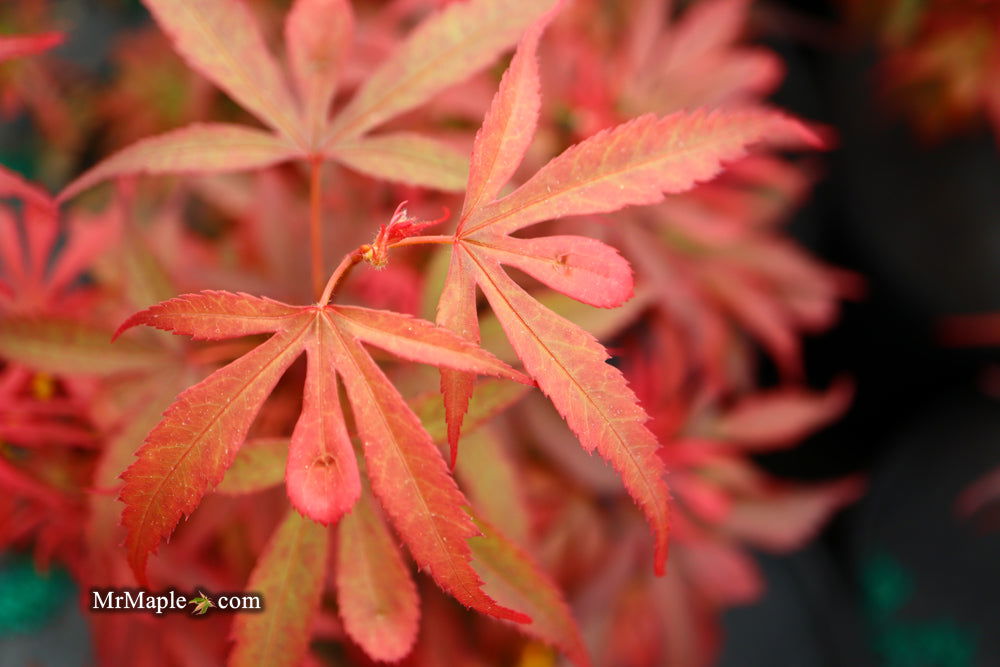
x,y
900,579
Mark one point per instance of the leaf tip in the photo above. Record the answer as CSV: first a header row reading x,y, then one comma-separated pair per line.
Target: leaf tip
x,y
512,615
132,321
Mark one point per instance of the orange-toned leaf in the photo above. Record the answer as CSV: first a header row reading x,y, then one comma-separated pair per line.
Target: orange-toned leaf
x,y
214,315
411,481
188,452
499,147
592,396
568,364
457,311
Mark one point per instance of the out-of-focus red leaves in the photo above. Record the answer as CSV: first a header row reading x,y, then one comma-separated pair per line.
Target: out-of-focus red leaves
x,y
17,46
779,418
619,105
941,63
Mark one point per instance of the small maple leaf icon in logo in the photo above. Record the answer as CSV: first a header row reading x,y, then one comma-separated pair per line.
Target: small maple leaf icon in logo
x,y
201,604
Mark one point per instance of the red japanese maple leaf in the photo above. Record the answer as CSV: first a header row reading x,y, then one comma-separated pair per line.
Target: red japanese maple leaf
x,y
634,163
188,452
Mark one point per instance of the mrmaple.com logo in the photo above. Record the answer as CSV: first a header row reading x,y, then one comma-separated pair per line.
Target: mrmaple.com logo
x,y
158,603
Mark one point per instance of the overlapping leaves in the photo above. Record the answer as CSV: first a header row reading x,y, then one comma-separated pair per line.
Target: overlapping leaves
x,y
221,40
634,163
188,452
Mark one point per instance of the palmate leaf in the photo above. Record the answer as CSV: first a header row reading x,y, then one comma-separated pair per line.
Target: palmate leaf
x,y
221,40
188,452
635,163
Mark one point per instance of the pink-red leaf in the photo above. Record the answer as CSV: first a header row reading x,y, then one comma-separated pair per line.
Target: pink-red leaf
x,y
419,340
198,148
788,518
585,269
457,311
289,576
214,315
592,396
322,478
635,163
13,184
375,592
782,417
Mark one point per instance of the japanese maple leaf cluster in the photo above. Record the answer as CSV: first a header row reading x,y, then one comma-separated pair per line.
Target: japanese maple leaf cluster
x,y
289,442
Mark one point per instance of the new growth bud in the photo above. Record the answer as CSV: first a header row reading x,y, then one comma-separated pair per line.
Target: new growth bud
x,y
400,226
